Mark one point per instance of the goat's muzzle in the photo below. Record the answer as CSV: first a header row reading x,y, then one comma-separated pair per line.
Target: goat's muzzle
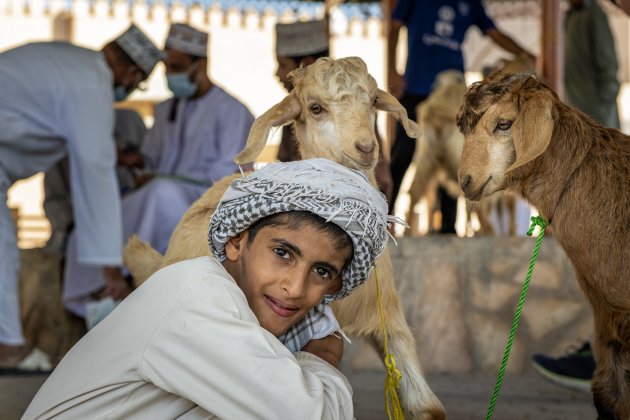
x,y
366,153
470,188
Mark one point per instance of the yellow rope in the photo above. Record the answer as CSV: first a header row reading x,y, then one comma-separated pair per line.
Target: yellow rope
x,y
392,404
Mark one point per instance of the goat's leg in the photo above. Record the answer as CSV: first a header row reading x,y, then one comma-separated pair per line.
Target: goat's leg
x,y
611,383
510,204
425,168
483,214
358,315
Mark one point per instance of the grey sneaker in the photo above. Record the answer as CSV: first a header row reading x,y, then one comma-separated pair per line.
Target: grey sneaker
x,y
574,370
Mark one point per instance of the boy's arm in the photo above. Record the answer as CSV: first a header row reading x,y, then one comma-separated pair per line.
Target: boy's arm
x,y
212,351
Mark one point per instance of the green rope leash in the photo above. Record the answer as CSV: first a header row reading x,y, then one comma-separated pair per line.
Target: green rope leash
x,y
536,221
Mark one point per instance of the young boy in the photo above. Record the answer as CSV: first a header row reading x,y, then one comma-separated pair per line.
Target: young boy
x,y
200,338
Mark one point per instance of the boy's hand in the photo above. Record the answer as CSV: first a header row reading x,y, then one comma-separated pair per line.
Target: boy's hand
x,y
329,348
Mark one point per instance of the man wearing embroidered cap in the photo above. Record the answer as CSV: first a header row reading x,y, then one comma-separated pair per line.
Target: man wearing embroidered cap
x,y
192,143
298,44
57,99
201,337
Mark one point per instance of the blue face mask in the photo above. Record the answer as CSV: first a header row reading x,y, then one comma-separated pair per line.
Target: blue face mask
x,y
120,93
180,85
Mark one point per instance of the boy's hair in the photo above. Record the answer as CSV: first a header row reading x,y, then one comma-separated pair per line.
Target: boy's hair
x,y
296,219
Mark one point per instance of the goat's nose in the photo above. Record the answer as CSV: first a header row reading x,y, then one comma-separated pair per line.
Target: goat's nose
x,y
365,147
465,183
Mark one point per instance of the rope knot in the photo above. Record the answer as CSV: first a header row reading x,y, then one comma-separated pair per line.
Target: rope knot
x,y
536,221
392,370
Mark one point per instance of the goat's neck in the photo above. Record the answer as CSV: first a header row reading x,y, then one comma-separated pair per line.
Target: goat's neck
x,y
552,175
582,183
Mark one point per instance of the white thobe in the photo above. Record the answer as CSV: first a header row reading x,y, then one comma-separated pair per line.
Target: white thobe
x,y
188,154
186,345
56,99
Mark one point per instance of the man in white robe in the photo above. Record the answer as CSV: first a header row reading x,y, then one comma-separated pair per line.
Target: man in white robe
x,y
192,144
200,338
129,131
56,100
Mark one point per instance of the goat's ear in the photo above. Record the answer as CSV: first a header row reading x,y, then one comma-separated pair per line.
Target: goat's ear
x,y
280,114
532,129
386,102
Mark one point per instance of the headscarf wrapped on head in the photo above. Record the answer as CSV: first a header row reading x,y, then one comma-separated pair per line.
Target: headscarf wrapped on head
x,y
333,192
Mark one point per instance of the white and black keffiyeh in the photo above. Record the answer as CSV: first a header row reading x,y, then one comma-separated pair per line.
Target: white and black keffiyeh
x,y
335,193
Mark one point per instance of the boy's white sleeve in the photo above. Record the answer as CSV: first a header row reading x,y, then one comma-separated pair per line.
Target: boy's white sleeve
x,y
211,350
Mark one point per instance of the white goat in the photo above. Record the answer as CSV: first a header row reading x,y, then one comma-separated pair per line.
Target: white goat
x,y
520,137
438,149
333,109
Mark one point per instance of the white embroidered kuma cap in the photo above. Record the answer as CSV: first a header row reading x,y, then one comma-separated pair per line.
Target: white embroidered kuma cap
x,y
139,48
301,38
184,38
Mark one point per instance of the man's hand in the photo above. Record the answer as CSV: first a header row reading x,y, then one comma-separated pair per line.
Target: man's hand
x,y
396,84
142,179
329,348
116,285
130,159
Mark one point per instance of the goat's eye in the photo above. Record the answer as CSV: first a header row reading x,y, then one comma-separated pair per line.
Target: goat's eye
x,y
504,125
316,109
375,101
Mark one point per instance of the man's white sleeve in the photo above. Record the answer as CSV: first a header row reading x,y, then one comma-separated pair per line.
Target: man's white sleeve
x,y
211,350
95,195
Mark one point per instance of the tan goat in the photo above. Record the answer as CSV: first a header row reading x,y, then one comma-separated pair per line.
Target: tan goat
x,y
333,109
520,137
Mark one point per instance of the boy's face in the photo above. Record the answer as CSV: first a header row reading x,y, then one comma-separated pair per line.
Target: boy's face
x,y
285,272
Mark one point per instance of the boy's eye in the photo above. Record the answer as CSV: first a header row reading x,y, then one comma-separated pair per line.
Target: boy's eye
x,y
323,272
281,252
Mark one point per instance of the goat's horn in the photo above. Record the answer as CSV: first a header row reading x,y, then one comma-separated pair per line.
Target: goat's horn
x,y
280,114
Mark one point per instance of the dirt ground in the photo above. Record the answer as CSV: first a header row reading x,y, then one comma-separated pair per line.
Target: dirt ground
x,y
523,397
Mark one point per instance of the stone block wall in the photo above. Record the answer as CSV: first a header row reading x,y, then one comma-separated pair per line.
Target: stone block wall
x,y
460,294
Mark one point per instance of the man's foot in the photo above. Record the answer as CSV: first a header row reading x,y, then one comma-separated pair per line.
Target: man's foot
x,y
18,360
11,356
574,370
